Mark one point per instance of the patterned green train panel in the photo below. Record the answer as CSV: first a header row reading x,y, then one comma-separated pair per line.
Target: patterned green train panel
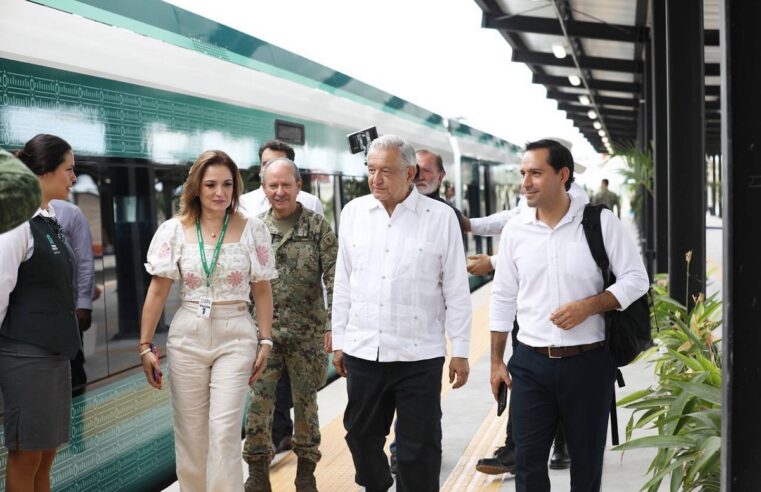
x,y
102,117
122,439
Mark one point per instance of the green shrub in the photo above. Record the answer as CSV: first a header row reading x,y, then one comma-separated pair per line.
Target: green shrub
x,y
684,407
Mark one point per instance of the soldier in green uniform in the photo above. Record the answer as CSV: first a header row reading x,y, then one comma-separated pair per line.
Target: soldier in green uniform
x,y
305,250
19,192
607,198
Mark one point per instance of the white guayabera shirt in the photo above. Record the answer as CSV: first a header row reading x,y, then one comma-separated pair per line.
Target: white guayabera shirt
x,y
401,282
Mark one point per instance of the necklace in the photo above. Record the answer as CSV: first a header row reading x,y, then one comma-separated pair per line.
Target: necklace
x,y
213,234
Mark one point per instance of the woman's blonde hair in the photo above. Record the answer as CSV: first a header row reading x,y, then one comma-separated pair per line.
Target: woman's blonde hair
x,y
190,203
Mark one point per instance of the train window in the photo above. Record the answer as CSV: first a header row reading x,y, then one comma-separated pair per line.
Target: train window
x,y
292,133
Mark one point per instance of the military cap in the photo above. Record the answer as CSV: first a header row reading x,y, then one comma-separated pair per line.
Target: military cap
x,y
20,194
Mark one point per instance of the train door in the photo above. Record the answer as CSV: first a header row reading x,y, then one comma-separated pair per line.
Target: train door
x,y
479,199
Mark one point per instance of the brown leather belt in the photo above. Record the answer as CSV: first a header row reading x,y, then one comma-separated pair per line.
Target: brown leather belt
x,y
560,352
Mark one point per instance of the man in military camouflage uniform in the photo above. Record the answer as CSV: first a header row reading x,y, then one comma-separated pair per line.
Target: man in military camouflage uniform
x,y
305,249
19,192
607,198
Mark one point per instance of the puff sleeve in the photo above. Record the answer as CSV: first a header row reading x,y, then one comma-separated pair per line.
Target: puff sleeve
x,y
259,245
164,251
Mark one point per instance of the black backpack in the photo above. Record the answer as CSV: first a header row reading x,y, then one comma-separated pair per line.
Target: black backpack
x,y
627,332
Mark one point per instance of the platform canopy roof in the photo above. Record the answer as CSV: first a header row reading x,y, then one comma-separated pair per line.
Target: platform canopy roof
x,y
599,81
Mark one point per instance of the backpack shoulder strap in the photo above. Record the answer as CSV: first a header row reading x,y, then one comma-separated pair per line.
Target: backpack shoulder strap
x,y
593,233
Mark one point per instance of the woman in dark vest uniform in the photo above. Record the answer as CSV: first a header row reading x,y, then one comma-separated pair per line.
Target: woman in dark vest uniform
x,y
39,333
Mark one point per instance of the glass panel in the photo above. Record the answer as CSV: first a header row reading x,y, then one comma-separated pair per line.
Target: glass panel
x,y
86,195
167,184
129,228
353,187
323,186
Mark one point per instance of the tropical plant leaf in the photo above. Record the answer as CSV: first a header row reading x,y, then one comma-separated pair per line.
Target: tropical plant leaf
x,y
706,392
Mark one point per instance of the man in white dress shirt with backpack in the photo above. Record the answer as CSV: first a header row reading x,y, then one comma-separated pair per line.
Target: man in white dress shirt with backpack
x,y
398,289
560,368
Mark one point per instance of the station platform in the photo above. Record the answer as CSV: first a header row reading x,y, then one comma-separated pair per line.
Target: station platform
x,y
471,430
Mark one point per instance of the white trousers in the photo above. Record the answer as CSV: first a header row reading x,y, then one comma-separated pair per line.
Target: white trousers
x,y
210,361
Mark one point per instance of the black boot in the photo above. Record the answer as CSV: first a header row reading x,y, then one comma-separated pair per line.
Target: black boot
x,y
503,461
305,481
258,475
560,459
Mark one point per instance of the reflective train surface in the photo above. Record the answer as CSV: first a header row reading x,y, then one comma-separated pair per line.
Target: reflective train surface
x,y
139,89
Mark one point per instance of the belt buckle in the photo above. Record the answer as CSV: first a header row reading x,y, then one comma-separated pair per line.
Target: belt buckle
x,y
549,353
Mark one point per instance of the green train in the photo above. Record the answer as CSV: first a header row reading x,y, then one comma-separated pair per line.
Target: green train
x,y
139,89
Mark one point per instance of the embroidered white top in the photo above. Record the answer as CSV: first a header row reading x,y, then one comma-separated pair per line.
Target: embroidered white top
x,y
400,281
249,260
540,269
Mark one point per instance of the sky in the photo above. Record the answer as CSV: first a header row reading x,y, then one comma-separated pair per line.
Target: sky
x,y
433,53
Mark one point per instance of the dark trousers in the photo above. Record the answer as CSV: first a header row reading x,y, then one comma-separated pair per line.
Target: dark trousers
x,y
577,391
282,424
413,390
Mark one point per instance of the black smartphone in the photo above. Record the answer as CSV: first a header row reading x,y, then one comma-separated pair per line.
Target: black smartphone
x,y
501,398
156,374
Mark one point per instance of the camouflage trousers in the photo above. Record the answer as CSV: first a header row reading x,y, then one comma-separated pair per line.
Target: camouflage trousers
x,y
307,365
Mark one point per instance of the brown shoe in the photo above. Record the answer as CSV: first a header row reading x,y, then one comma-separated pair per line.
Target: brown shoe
x,y
305,481
258,475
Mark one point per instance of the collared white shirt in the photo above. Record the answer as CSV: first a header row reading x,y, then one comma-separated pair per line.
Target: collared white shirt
x,y
540,269
255,202
493,224
400,281
16,247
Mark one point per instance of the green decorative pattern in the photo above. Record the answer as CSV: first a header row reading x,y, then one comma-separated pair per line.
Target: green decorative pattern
x,y
101,117
173,25
122,439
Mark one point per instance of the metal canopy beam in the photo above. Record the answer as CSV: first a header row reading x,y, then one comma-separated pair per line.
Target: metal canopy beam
x,y
586,62
741,99
597,84
686,149
551,26
580,29
601,100
578,108
592,62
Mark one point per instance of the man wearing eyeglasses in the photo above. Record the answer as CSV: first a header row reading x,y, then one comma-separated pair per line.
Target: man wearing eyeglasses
x,y
400,285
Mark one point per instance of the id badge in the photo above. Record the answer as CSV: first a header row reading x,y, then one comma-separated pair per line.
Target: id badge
x,y
204,307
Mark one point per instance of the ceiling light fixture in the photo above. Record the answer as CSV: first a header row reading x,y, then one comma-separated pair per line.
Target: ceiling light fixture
x,y
605,140
574,80
597,125
592,115
558,50
601,133
584,99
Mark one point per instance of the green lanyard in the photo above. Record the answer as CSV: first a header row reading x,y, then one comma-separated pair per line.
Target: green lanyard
x,y
209,270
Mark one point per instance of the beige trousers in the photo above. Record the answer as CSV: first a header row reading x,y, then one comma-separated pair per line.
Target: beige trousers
x,y
210,361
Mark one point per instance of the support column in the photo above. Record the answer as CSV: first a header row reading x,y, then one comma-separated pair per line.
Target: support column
x,y
660,136
686,148
649,202
741,160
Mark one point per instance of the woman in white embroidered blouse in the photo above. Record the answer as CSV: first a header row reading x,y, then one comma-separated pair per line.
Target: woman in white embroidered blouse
x,y
220,258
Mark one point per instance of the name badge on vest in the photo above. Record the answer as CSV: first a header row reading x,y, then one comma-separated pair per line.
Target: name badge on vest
x,y
53,247
204,307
